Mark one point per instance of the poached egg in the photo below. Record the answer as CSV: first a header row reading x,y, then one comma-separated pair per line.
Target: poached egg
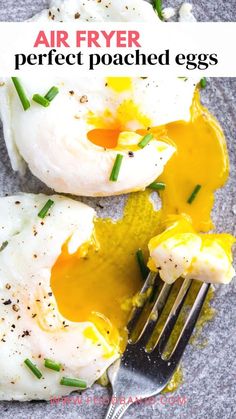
x,y
72,145
31,326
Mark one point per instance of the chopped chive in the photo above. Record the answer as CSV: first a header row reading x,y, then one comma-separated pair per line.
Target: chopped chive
x,y
142,266
194,194
145,140
41,100
51,93
43,212
157,186
116,168
157,4
3,246
48,363
73,382
33,368
203,82
21,93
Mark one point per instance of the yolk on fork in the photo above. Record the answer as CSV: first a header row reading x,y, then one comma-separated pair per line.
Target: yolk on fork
x,y
100,287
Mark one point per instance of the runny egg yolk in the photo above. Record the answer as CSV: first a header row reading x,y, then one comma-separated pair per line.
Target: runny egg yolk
x,y
119,84
108,126
201,159
97,136
100,286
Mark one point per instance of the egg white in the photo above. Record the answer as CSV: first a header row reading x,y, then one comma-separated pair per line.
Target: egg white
x,y
98,11
30,323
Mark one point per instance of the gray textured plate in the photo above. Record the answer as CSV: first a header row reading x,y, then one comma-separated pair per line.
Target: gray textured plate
x,y
209,374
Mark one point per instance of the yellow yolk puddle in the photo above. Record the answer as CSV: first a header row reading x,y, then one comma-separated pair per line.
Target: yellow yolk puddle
x,y
97,287
100,286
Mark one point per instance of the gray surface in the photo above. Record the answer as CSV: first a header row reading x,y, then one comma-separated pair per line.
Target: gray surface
x,y
209,373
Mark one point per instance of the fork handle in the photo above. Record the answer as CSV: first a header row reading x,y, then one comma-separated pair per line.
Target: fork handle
x,y
116,411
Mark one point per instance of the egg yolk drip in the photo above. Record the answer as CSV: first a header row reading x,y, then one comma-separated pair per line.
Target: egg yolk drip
x,y
201,159
100,286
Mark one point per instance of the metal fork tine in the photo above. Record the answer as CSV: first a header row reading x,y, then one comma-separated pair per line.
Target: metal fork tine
x,y
150,324
172,317
116,412
142,374
189,324
137,310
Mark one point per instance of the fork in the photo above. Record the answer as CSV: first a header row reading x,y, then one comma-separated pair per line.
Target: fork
x,y
143,370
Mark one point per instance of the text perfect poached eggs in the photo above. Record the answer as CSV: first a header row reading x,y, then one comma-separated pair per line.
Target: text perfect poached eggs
x,y
72,144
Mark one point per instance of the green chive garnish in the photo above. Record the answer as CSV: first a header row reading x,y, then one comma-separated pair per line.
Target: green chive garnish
x,y
142,266
203,82
145,140
41,100
157,186
48,363
43,212
33,368
116,168
21,93
3,246
194,194
73,382
157,4
51,93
